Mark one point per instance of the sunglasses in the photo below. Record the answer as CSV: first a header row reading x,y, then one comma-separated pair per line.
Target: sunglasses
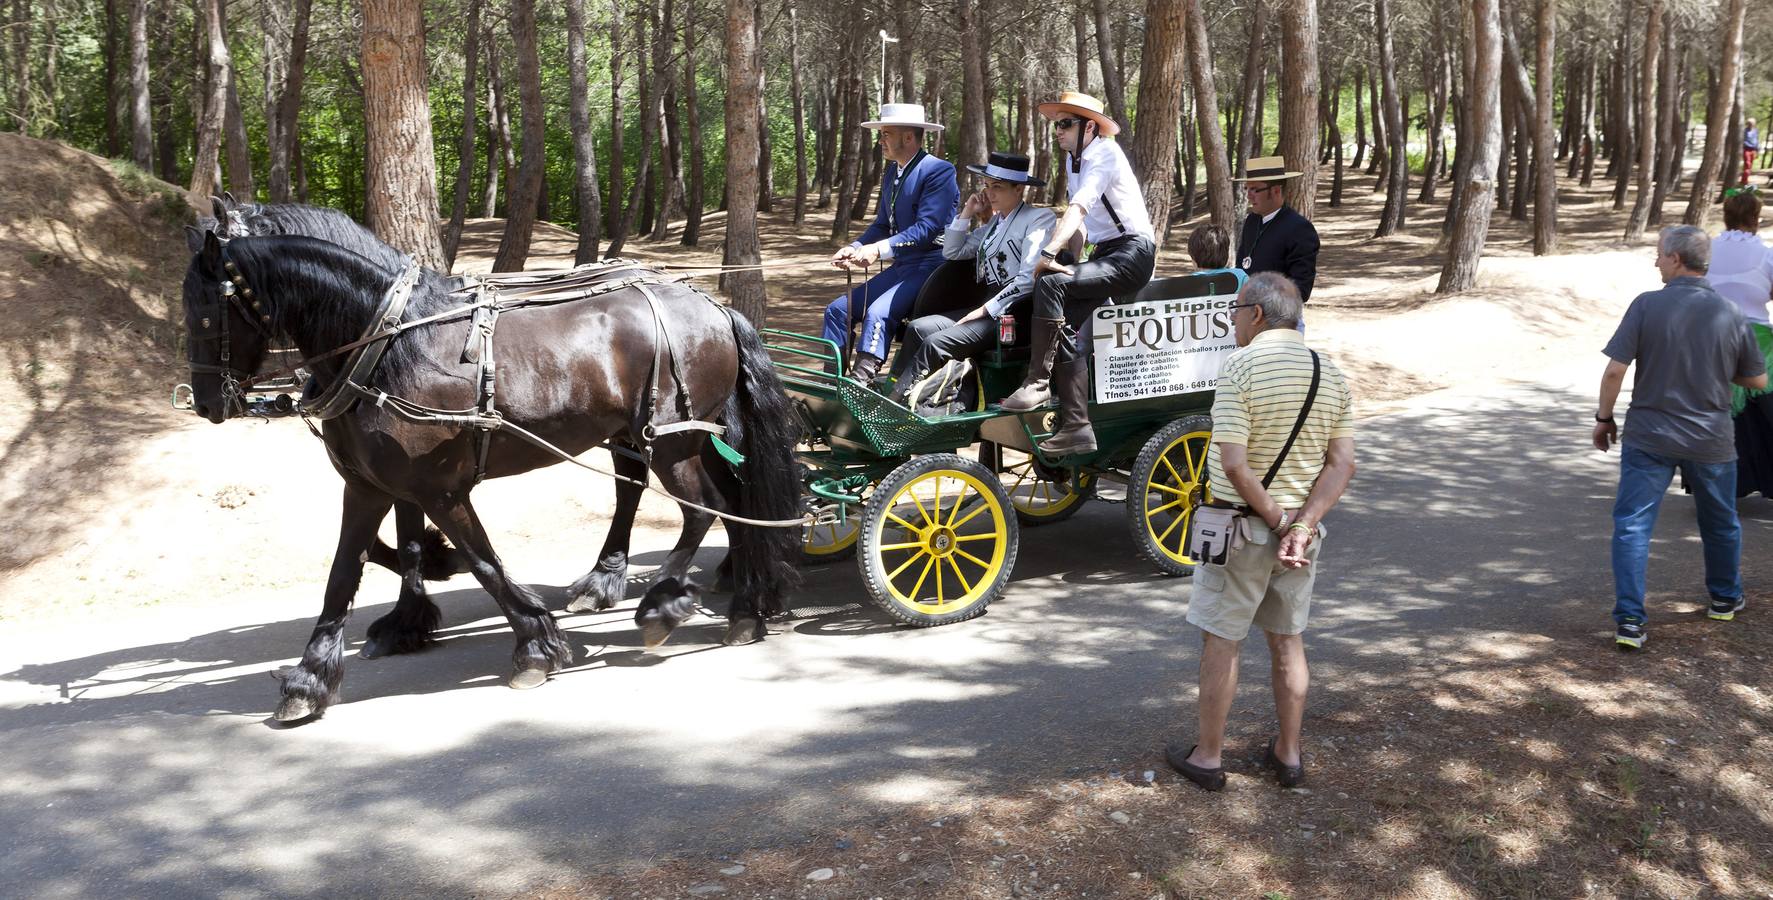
x,y
1062,124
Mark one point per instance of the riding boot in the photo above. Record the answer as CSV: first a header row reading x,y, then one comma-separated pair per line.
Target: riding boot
x,y
1035,391
907,380
866,366
1071,382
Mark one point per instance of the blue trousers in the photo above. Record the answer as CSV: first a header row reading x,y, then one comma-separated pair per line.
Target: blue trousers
x,y
888,296
1643,482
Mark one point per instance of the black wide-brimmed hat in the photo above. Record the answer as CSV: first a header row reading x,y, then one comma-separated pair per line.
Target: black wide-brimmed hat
x,y
1011,167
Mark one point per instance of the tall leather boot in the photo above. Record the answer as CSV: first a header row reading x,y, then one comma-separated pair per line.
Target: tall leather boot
x,y
1036,391
1071,382
866,366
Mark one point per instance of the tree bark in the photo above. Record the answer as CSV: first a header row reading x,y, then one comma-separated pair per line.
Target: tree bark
x,y
849,156
649,130
1397,182
1298,106
1732,158
1254,65
1152,147
1336,139
1666,134
1640,208
401,203
113,134
587,193
1112,83
692,103
744,288
1471,223
1360,122
1206,115
239,149
1434,81
289,103
1717,113
1623,149
1376,116
795,98
209,129
1080,32
526,185
1545,193
766,158
499,108
670,131
974,140
141,117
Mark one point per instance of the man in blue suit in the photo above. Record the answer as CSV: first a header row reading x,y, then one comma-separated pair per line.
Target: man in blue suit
x,y
918,197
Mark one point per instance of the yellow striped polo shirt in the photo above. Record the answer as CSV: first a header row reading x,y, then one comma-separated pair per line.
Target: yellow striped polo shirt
x,y
1256,403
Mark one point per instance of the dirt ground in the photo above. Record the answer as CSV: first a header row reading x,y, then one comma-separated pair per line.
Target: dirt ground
x,y
1597,778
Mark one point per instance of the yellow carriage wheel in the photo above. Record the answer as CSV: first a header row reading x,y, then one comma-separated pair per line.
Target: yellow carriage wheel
x,y
1168,481
1037,497
938,540
831,541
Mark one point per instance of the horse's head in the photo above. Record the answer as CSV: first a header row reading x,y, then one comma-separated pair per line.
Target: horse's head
x,y
232,219
227,331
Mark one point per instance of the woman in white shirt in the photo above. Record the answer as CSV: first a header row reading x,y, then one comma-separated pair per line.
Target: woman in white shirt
x,y
1742,271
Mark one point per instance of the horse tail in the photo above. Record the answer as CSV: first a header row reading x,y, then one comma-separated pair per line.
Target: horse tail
x,y
761,425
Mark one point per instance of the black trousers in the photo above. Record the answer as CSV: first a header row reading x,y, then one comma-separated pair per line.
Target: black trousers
x,y
1120,267
933,340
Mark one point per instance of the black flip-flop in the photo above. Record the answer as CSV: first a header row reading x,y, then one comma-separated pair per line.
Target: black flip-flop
x,y
1288,776
1205,779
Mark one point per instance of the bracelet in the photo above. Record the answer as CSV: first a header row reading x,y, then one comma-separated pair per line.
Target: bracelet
x,y
1606,421
1050,254
1300,526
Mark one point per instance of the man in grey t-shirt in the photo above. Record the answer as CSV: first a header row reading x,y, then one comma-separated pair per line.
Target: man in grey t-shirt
x,y
1690,345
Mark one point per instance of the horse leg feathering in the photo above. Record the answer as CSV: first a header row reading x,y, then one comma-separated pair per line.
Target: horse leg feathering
x,y
409,627
312,685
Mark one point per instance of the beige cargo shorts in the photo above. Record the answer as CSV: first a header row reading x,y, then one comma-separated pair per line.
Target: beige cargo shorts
x,y
1253,588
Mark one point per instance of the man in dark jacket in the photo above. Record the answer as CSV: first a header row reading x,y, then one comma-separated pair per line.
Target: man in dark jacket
x,y
1275,237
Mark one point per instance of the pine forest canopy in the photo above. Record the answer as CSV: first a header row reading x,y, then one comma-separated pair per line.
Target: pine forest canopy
x,y
281,108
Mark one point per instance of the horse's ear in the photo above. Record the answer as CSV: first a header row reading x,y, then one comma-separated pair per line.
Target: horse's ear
x,y
194,238
221,209
229,196
212,251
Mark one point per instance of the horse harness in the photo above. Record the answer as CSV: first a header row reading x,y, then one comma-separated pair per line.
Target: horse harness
x,y
492,295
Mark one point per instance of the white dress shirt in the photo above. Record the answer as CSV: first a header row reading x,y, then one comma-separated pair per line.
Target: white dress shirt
x,y
1106,180
1742,271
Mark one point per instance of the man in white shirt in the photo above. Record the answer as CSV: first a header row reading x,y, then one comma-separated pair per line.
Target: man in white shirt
x,y
1107,204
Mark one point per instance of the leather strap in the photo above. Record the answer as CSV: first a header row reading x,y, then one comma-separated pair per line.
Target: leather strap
x,y
1299,423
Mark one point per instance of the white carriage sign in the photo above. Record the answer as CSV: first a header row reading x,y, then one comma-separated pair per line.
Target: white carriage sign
x,y
1155,348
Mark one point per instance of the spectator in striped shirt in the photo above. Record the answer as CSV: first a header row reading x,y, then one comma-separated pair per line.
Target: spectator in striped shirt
x,y
1273,384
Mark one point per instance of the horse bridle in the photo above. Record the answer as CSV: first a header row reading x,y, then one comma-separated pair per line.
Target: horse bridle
x,y
238,294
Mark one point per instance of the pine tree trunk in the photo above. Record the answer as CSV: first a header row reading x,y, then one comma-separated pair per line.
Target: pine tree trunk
x,y
745,289
239,150
1588,117
1471,218
1623,149
1336,139
1646,136
850,139
1545,195
141,117
1434,75
766,165
795,97
113,135
974,141
643,194
401,202
587,193
209,129
1113,84
1223,210
1152,147
1375,115
1360,121
526,184
1667,124
1524,162
692,108
1190,157
489,194
1397,182
1080,32
670,131
499,106
289,103
1717,113
1251,90
1732,158
1510,125
1298,107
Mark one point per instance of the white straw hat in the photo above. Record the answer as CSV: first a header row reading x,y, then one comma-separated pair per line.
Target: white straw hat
x,y
909,115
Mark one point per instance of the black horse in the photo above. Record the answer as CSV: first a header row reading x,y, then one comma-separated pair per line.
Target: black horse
x,y
575,374
423,554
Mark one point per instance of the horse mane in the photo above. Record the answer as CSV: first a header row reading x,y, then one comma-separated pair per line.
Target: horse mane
x,y
327,292
325,223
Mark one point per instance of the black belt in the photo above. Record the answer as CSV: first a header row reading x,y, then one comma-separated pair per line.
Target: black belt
x,y
1226,504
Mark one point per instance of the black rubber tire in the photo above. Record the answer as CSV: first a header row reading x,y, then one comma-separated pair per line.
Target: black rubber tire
x,y
1199,430
1060,514
981,488
838,554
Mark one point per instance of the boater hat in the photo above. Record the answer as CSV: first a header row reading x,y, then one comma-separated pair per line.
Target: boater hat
x,y
1082,105
908,115
1011,167
1266,168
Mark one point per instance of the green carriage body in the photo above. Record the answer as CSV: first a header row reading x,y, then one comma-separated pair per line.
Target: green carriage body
x,y
855,440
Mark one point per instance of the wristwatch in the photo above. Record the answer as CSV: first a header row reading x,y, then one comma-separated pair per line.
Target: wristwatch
x,y
1285,518
1608,419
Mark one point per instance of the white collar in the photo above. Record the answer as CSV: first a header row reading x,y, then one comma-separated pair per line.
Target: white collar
x,y
1270,217
1740,237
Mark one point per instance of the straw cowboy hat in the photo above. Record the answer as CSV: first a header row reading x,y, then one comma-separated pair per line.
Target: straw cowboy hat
x,y
1084,105
1010,167
1266,168
907,115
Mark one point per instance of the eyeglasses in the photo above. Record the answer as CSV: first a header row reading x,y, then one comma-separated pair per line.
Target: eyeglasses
x,y
1062,124
1255,188
1237,306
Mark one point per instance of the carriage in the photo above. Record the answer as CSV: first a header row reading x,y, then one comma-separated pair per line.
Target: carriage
x,y
932,508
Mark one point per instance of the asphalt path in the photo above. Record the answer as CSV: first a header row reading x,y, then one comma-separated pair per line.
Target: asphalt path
x,y
139,761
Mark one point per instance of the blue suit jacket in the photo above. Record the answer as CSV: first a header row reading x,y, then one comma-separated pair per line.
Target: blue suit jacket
x,y
926,204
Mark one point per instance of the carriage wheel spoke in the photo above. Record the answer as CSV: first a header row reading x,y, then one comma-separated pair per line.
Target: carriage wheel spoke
x,y
987,536
1179,492
1165,459
920,577
1155,510
1166,534
941,591
969,517
908,526
967,586
1188,456
959,501
920,510
905,565
905,546
976,560
1182,540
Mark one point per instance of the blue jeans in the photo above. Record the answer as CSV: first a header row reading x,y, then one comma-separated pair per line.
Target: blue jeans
x,y
1643,481
889,296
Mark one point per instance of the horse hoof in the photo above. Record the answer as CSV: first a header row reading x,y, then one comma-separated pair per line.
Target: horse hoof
x,y
295,709
589,603
654,632
743,631
372,649
526,679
